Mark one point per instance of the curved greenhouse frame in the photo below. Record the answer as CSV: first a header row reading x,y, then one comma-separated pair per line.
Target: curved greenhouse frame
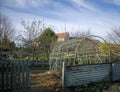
x,y
76,52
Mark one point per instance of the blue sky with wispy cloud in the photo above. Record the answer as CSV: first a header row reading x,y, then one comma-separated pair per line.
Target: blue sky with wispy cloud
x,y
99,15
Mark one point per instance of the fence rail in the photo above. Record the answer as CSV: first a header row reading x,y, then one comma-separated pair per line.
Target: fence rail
x,y
77,75
14,76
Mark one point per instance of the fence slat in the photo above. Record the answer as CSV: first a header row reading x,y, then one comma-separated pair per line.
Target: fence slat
x,y
22,76
11,77
27,76
2,76
7,76
14,78
19,82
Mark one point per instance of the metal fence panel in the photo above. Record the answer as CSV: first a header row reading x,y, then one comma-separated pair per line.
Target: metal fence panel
x,y
85,74
116,71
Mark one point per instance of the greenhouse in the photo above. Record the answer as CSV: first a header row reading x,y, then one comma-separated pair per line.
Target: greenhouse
x,y
77,51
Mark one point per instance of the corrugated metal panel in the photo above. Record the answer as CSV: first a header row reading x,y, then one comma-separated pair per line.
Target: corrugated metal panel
x,y
85,74
116,71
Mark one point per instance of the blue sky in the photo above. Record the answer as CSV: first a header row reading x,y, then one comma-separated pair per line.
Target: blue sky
x,y
78,15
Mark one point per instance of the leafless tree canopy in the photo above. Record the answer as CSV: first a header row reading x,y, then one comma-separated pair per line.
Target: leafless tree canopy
x,y
6,28
31,31
28,38
81,34
114,36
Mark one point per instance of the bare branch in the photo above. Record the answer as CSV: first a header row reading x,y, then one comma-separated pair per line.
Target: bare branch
x,y
114,36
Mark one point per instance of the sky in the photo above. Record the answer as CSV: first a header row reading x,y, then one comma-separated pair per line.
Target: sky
x,y
100,16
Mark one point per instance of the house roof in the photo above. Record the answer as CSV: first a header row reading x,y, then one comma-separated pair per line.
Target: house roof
x,y
62,35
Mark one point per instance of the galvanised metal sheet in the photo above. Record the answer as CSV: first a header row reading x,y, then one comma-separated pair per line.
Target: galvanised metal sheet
x,y
85,74
116,71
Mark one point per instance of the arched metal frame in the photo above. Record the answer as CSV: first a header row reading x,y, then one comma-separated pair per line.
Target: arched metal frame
x,y
72,52
83,40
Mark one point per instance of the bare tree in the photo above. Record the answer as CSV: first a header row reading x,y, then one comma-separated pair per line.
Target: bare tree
x,y
6,28
29,36
6,33
81,34
114,36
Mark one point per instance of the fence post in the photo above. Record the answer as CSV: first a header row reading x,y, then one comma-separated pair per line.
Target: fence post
x,y
63,73
111,71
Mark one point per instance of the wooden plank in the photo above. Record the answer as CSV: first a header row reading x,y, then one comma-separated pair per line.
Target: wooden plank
x,y
11,77
14,81
7,76
23,77
27,75
18,71
2,77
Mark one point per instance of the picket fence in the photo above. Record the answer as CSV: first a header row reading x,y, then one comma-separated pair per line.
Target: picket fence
x,y
14,76
83,74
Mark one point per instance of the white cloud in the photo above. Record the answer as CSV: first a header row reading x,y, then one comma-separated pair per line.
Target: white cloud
x,y
26,3
15,3
82,3
116,2
100,23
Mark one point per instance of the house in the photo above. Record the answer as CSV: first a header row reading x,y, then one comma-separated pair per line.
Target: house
x,y
62,36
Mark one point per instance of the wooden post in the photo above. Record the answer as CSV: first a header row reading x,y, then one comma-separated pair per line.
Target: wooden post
x,y
63,73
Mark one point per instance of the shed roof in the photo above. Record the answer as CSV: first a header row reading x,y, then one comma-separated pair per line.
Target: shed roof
x,y
62,35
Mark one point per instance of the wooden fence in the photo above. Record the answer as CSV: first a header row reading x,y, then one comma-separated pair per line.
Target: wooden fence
x,y
78,75
14,76
39,63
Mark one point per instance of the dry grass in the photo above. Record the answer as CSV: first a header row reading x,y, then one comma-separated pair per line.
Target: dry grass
x,y
115,87
51,82
47,81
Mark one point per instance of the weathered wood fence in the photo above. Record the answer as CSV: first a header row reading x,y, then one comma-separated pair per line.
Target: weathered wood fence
x,y
14,76
39,63
77,75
